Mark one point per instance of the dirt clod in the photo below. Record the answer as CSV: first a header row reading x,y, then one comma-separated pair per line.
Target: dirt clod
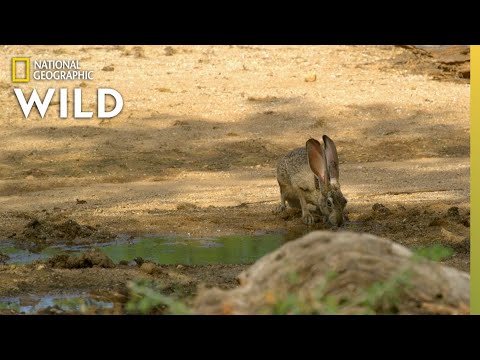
x,y
4,258
38,234
108,68
148,268
453,212
85,260
381,209
169,51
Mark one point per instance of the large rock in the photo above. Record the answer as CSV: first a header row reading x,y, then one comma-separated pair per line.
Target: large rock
x,y
342,272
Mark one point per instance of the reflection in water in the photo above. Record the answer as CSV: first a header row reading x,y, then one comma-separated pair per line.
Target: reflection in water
x,y
65,302
226,250
238,249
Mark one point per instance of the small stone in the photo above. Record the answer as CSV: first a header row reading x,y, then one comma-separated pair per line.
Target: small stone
x,y
180,266
108,68
139,260
40,267
312,77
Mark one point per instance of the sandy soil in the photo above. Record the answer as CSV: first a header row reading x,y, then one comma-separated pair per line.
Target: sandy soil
x,y
194,149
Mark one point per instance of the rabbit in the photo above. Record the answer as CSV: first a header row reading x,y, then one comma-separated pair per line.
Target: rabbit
x,y
310,175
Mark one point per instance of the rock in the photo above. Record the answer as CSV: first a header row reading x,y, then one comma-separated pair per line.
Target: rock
x,y
148,268
108,68
40,267
180,266
139,260
344,269
312,77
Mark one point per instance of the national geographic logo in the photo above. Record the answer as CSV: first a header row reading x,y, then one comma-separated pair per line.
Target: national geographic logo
x,y
59,70
48,70
20,65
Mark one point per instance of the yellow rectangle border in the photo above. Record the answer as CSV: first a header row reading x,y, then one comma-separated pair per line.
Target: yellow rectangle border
x,y
14,70
475,179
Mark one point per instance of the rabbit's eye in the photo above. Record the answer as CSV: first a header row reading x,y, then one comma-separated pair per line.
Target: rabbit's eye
x,y
329,203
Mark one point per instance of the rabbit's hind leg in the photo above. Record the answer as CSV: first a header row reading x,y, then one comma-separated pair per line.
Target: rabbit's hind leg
x,y
294,203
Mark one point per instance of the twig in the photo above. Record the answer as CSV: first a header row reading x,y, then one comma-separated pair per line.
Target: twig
x,y
254,202
415,192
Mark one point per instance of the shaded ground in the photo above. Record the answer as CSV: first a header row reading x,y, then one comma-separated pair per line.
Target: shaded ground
x,y
195,147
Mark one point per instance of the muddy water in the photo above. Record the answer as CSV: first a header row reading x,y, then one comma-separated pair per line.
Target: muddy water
x,y
239,249
69,303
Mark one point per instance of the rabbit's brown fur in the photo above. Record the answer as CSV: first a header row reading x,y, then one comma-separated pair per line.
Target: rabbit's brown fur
x,y
310,175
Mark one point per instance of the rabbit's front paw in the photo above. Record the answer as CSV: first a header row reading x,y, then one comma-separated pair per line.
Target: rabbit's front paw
x,y
308,219
280,209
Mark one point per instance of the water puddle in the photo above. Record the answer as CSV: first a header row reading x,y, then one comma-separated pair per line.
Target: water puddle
x,y
64,303
238,249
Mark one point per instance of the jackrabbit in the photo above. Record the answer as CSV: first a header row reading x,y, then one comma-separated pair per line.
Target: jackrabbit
x,y
310,175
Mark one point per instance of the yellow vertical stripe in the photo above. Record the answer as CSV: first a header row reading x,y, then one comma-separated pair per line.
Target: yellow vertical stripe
x,y
475,179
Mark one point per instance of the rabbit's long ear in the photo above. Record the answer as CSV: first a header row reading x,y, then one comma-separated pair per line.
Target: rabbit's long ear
x,y
317,161
332,159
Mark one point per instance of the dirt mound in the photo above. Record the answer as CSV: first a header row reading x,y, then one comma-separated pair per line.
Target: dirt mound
x,y
450,227
38,234
85,260
325,272
442,63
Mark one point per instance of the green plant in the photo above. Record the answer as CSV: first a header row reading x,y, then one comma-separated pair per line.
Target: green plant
x,y
385,296
146,299
9,306
435,252
380,297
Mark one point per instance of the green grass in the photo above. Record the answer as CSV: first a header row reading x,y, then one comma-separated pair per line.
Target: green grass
x,y
435,252
146,298
5,306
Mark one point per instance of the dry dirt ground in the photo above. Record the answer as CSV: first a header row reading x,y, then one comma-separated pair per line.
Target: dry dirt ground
x,y
195,147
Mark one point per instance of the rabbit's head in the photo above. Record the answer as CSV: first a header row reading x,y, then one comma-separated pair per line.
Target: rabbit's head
x,y
323,161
